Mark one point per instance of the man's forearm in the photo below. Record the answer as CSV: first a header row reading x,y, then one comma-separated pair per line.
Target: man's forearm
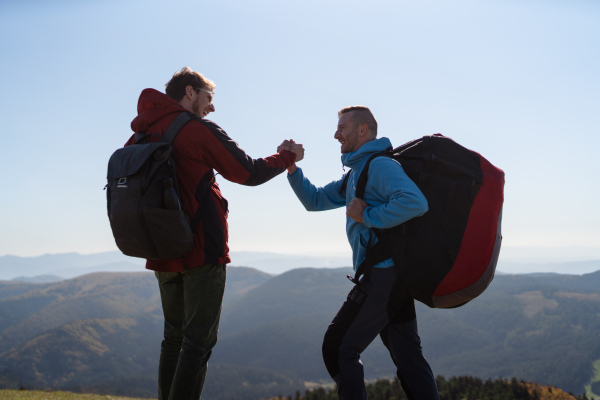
x,y
313,198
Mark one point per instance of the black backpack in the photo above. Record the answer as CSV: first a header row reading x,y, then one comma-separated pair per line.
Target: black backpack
x,y
143,200
448,256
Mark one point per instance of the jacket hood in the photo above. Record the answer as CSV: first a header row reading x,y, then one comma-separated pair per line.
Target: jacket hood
x,y
153,106
360,156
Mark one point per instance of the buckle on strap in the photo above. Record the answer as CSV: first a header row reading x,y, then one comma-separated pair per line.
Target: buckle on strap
x,y
356,295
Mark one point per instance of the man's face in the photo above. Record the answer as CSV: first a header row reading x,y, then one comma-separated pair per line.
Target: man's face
x,y
347,133
202,103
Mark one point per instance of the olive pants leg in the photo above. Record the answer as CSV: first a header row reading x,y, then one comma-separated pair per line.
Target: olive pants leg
x,y
191,302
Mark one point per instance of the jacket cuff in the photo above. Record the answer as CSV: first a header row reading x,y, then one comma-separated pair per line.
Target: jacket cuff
x,y
289,157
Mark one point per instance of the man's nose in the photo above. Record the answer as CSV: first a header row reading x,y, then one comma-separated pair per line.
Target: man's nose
x,y
212,108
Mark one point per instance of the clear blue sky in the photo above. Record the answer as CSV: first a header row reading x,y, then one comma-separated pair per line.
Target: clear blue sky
x,y
516,80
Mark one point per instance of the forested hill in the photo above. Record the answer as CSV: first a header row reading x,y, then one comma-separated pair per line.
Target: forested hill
x,y
458,388
102,332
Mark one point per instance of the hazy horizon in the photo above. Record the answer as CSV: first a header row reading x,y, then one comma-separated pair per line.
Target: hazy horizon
x,y
512,261
512,253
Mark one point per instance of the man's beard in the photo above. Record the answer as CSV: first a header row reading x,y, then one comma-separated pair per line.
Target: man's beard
x,y
196,108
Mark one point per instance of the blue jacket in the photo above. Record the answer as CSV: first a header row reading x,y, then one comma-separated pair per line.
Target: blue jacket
x,y
392,197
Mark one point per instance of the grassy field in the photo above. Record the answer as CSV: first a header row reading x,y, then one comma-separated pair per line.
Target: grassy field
x,y
42,395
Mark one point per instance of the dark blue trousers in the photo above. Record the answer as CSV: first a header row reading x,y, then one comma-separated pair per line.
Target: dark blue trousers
x,y
374,307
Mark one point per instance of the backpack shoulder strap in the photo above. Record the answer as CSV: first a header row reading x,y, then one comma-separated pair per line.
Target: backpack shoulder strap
x,y
176,126
344,183
364,174
374,253
172,130
139,136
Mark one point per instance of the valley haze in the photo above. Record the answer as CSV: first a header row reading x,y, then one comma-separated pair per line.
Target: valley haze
x,y
513,260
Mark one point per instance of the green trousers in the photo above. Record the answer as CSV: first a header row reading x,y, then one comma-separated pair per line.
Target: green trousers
x,y
191,302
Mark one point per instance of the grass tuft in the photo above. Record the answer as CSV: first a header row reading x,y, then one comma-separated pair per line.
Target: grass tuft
x,y
43,395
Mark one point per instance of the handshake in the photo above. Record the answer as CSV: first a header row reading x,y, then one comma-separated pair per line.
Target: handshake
x,y
293,147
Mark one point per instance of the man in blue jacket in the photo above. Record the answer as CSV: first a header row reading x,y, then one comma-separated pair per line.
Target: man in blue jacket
x,y
376,305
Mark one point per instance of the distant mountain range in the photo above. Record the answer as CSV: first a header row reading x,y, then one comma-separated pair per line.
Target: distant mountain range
x,y
54,267
101,333
567,267
70,265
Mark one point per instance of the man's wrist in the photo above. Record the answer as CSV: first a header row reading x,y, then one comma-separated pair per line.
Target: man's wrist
x,y
288,155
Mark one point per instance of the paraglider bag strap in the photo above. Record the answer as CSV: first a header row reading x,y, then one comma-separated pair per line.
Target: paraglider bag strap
x,y
390,242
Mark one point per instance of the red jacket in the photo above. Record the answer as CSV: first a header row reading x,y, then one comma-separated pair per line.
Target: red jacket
x,y
201,147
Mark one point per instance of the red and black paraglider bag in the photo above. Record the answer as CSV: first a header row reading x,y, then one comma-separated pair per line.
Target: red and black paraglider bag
x,y
448,256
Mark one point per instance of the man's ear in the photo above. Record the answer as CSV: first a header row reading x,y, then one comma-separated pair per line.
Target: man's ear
x,y
189,91
363,130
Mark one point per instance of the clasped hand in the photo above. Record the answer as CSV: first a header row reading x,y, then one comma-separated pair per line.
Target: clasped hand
x,y
292,146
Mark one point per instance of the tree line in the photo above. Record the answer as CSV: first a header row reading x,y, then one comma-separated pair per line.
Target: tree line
x,y
456,388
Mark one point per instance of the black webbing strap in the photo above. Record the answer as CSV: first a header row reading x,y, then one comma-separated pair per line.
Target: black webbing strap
x,y
176,126
375,254
139,136
390,244
344,183
378,252
172,130
364,174
202,189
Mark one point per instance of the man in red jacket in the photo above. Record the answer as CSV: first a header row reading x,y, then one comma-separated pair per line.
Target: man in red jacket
x,y
191,288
